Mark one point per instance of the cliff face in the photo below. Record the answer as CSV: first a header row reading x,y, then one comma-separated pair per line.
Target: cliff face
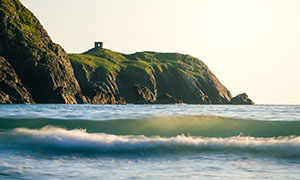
x,y
42,66
34,69
11,88
96,88
149,77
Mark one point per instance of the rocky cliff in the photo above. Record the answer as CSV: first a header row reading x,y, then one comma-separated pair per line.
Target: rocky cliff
x,y
42,66
11,87
36,70
148,77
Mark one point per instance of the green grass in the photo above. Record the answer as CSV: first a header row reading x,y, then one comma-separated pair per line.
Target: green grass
x,y
22,21
102,66
138,64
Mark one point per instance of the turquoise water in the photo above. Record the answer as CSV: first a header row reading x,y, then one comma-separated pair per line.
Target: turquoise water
x,y
149,142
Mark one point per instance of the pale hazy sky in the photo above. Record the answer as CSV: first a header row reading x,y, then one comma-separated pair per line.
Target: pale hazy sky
x,y
252,46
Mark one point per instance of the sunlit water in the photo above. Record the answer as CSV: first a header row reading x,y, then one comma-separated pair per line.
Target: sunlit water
x,y
149,142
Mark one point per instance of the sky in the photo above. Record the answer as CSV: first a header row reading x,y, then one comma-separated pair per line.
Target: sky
x,y
252,46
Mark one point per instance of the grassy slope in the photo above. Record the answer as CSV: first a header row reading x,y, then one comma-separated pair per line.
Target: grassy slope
x,y
139,63
24,21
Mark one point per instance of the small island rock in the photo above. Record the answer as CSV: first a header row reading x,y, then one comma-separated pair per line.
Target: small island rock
x,y
242,99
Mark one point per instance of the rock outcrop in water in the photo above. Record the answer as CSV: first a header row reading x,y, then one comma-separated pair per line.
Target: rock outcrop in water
x,y
242,99
34,69
42,66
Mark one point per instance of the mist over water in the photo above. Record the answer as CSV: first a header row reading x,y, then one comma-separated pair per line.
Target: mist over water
x,y
149,142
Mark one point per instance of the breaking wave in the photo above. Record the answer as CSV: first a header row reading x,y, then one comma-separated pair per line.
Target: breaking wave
x,y
55,139
173,134
171,126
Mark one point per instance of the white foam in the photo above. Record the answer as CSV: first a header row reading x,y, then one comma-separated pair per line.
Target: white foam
x,y
79,139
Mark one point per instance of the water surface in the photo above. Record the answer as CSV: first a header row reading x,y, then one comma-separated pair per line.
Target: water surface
x,y
149,142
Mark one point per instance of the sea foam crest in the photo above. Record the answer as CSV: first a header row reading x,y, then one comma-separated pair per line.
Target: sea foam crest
x,y
79,140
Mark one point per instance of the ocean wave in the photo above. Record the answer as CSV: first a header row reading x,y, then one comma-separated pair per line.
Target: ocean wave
x,y
170,126
78,140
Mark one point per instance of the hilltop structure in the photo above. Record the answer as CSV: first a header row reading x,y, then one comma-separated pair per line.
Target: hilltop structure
x,y
99,45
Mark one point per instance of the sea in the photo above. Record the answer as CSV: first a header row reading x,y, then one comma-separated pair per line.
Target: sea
x,y
56,141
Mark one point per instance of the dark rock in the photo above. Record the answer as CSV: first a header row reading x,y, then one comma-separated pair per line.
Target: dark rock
x,y
104,95
11,88
241,99
190,89
42,66
96,89
181,86
136,85
168,99
144,95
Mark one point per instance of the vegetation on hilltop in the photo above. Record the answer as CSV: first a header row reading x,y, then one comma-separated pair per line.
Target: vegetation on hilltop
x,y
180,76
107,61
